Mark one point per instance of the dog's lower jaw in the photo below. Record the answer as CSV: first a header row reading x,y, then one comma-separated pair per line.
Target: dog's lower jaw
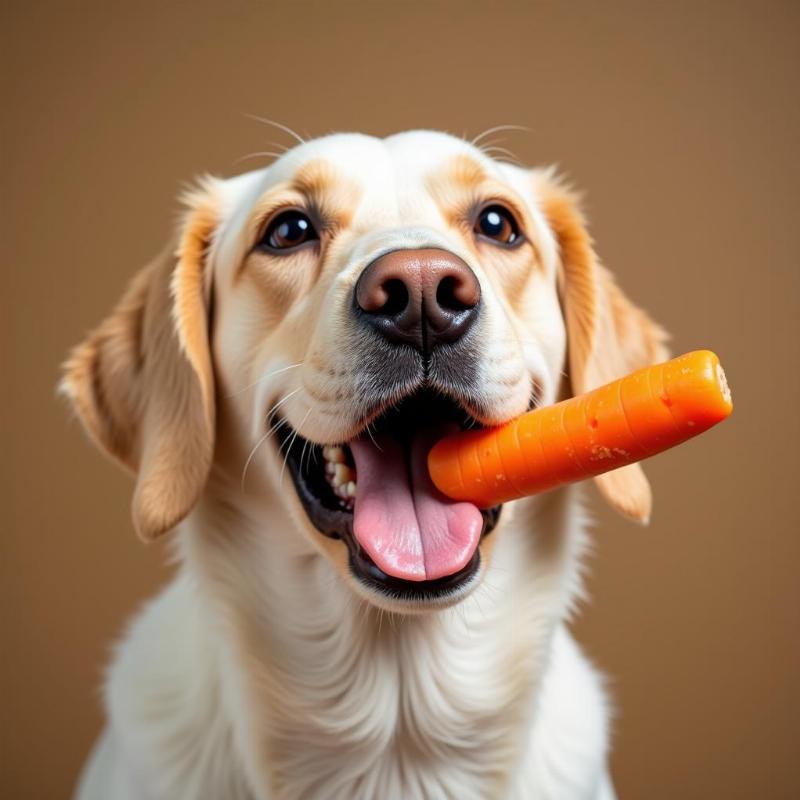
x,y
276,671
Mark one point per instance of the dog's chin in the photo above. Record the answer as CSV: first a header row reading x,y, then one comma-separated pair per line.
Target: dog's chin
x,y
381,565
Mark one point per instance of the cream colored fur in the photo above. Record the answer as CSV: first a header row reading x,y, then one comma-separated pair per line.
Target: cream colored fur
x,y
265,670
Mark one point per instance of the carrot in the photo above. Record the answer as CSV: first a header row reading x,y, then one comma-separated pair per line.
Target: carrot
x,y
625,421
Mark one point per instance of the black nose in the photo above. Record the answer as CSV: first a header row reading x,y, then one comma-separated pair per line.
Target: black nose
x,y
422,298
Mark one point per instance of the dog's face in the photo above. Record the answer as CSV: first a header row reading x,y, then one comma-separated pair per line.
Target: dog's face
x,y
326,319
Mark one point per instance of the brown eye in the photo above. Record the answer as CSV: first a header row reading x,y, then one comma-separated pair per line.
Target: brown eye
x,y
497,224
289,230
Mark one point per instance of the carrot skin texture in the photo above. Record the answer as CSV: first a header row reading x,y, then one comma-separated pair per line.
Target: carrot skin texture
x,y
625,421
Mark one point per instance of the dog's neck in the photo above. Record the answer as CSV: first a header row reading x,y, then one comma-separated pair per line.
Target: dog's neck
x,y
341,698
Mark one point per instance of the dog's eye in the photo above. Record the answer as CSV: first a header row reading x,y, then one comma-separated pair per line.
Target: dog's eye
x,y
289,230
497,224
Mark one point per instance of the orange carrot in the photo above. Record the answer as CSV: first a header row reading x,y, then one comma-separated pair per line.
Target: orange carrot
x,y
627,420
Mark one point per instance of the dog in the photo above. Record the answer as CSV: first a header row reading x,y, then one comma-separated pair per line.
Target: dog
x,y
337,628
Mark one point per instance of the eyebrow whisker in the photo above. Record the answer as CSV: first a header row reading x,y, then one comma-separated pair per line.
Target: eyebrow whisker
x,y
503,151
280,126
259,154
496,129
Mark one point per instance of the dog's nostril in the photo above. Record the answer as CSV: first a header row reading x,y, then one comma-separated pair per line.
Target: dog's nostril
x,y
396,297
449,295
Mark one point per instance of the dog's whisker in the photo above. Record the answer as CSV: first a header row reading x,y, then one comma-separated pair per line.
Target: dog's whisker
x,y
371,436
264,377
279,424
284,148
491,143
505,152
305,446
303,455
255,448
283,152
494,146
496,129
469,422
269,433
280,126
291,440
259,154
281,402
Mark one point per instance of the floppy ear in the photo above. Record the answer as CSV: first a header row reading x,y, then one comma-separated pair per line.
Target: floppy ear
x,y
142,381
608,336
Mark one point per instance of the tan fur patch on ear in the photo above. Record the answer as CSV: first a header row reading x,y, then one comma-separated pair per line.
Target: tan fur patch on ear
x,y
100,375
189,309
143,384
608,336
628,491
645,339
578,275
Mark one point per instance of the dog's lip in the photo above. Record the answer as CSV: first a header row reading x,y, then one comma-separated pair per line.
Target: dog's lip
x,y
331,517
368,573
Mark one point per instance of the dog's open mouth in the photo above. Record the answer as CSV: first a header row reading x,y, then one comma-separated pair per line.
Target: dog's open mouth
x,y
374,492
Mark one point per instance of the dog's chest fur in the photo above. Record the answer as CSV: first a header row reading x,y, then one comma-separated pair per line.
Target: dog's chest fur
x,y
285,686
410,708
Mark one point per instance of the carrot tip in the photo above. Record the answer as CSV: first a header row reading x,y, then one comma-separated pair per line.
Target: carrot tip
x,y
723,384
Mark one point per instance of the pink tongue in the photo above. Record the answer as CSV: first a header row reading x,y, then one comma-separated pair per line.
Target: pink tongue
x,y
406,525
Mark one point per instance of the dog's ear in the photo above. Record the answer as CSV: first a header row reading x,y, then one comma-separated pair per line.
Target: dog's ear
x,y
142,382
608,336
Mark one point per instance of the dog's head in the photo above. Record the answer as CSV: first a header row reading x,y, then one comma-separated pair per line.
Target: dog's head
x,y
322,321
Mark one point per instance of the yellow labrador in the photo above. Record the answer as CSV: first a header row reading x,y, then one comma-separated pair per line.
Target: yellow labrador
x,y
339,629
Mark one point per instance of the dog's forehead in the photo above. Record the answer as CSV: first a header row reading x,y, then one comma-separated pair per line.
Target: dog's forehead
x,y
389,168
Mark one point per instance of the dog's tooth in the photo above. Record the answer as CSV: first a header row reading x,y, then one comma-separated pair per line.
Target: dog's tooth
x,y
350,489
343,474
333,454
336,455
330,468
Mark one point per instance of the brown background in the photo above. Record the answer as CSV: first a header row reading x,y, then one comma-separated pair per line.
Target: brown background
x,y
681,122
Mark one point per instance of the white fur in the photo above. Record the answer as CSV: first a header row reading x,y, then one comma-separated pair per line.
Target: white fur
x,y
242,683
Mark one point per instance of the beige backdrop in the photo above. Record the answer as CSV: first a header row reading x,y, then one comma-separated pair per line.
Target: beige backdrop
x,y
681,122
